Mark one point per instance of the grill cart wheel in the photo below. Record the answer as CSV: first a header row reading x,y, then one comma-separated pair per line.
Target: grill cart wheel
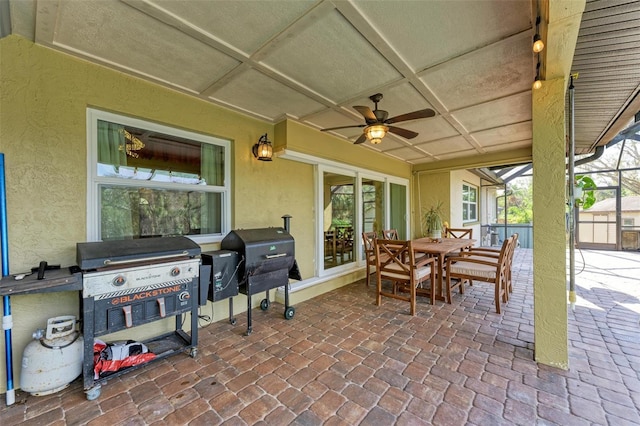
x,y
233,321
193,352
93,393
264,305
289,312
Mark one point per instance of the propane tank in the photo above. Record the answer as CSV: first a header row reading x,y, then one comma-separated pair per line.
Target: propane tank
x,y
53,359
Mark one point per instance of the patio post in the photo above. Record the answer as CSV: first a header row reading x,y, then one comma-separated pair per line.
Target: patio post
x,y
549,233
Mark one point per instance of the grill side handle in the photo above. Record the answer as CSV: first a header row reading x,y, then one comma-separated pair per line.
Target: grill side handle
x,y
273,256
145,259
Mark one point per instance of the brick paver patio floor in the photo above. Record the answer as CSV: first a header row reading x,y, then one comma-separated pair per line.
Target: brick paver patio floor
x,y
343,361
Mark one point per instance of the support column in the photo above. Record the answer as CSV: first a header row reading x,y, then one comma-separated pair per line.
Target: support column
x,y
549,233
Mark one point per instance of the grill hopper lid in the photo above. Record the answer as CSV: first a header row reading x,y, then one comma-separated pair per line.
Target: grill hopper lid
x,y
264,249
100,254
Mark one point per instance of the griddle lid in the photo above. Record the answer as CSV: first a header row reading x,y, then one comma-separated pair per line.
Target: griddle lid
x,y
99,254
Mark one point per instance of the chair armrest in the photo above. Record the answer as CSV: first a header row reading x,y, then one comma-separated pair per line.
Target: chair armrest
x,y
424,260
492,255
473,259
485,249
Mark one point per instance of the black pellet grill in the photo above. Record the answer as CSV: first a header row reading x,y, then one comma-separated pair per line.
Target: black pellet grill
x,y
267,261
134,282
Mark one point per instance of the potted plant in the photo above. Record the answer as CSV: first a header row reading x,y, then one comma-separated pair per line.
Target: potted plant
x,y
433,221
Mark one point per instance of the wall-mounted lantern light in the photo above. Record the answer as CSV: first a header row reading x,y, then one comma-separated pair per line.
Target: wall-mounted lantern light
x,y
263,150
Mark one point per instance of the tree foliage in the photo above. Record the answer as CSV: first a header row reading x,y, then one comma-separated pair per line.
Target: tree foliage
x,y
519,202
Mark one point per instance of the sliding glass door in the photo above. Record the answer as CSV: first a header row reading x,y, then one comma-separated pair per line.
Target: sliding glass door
x,y
349,203
373,206
339,209
398,209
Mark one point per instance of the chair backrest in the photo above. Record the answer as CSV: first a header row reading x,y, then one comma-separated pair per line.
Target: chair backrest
x,y
347,234
390,234
506,255
515,240
369,241
458,233
395,259
514,245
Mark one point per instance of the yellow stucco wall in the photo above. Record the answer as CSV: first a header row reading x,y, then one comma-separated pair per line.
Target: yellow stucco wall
x,y
549,232
43,105
430,189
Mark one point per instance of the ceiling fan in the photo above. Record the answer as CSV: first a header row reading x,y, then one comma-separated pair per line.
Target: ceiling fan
x,y
377,123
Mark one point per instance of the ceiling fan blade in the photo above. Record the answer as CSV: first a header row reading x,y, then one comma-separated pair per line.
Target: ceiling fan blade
x,y
366,113
342,127
361,139
407,134
423,113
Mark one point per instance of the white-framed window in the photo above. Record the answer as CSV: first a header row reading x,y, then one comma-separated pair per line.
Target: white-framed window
x,y
146,179
628,222
469,203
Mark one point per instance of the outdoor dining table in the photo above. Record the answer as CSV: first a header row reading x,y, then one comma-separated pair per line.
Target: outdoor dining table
x,y
440,248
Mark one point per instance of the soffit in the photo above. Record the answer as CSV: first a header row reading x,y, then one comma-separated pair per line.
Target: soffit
x,y
607,64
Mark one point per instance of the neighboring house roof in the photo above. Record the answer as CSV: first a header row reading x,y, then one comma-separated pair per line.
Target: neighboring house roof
x,y
629,204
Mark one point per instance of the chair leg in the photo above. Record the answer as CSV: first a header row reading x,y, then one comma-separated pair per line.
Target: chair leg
x,y
432,294
497,296
451,287
412,298
378,289
368,275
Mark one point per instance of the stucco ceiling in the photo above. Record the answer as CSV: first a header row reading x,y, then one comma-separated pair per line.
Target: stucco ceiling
x,y
312,60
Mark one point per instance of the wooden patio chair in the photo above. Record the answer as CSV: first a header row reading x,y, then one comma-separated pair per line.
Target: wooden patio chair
x,y
368,243
390,234
458,233
467,268
330,245
345,243
494,253
396,262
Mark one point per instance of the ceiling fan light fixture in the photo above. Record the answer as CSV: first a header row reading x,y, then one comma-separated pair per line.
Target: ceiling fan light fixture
x,y
375,133
376,122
